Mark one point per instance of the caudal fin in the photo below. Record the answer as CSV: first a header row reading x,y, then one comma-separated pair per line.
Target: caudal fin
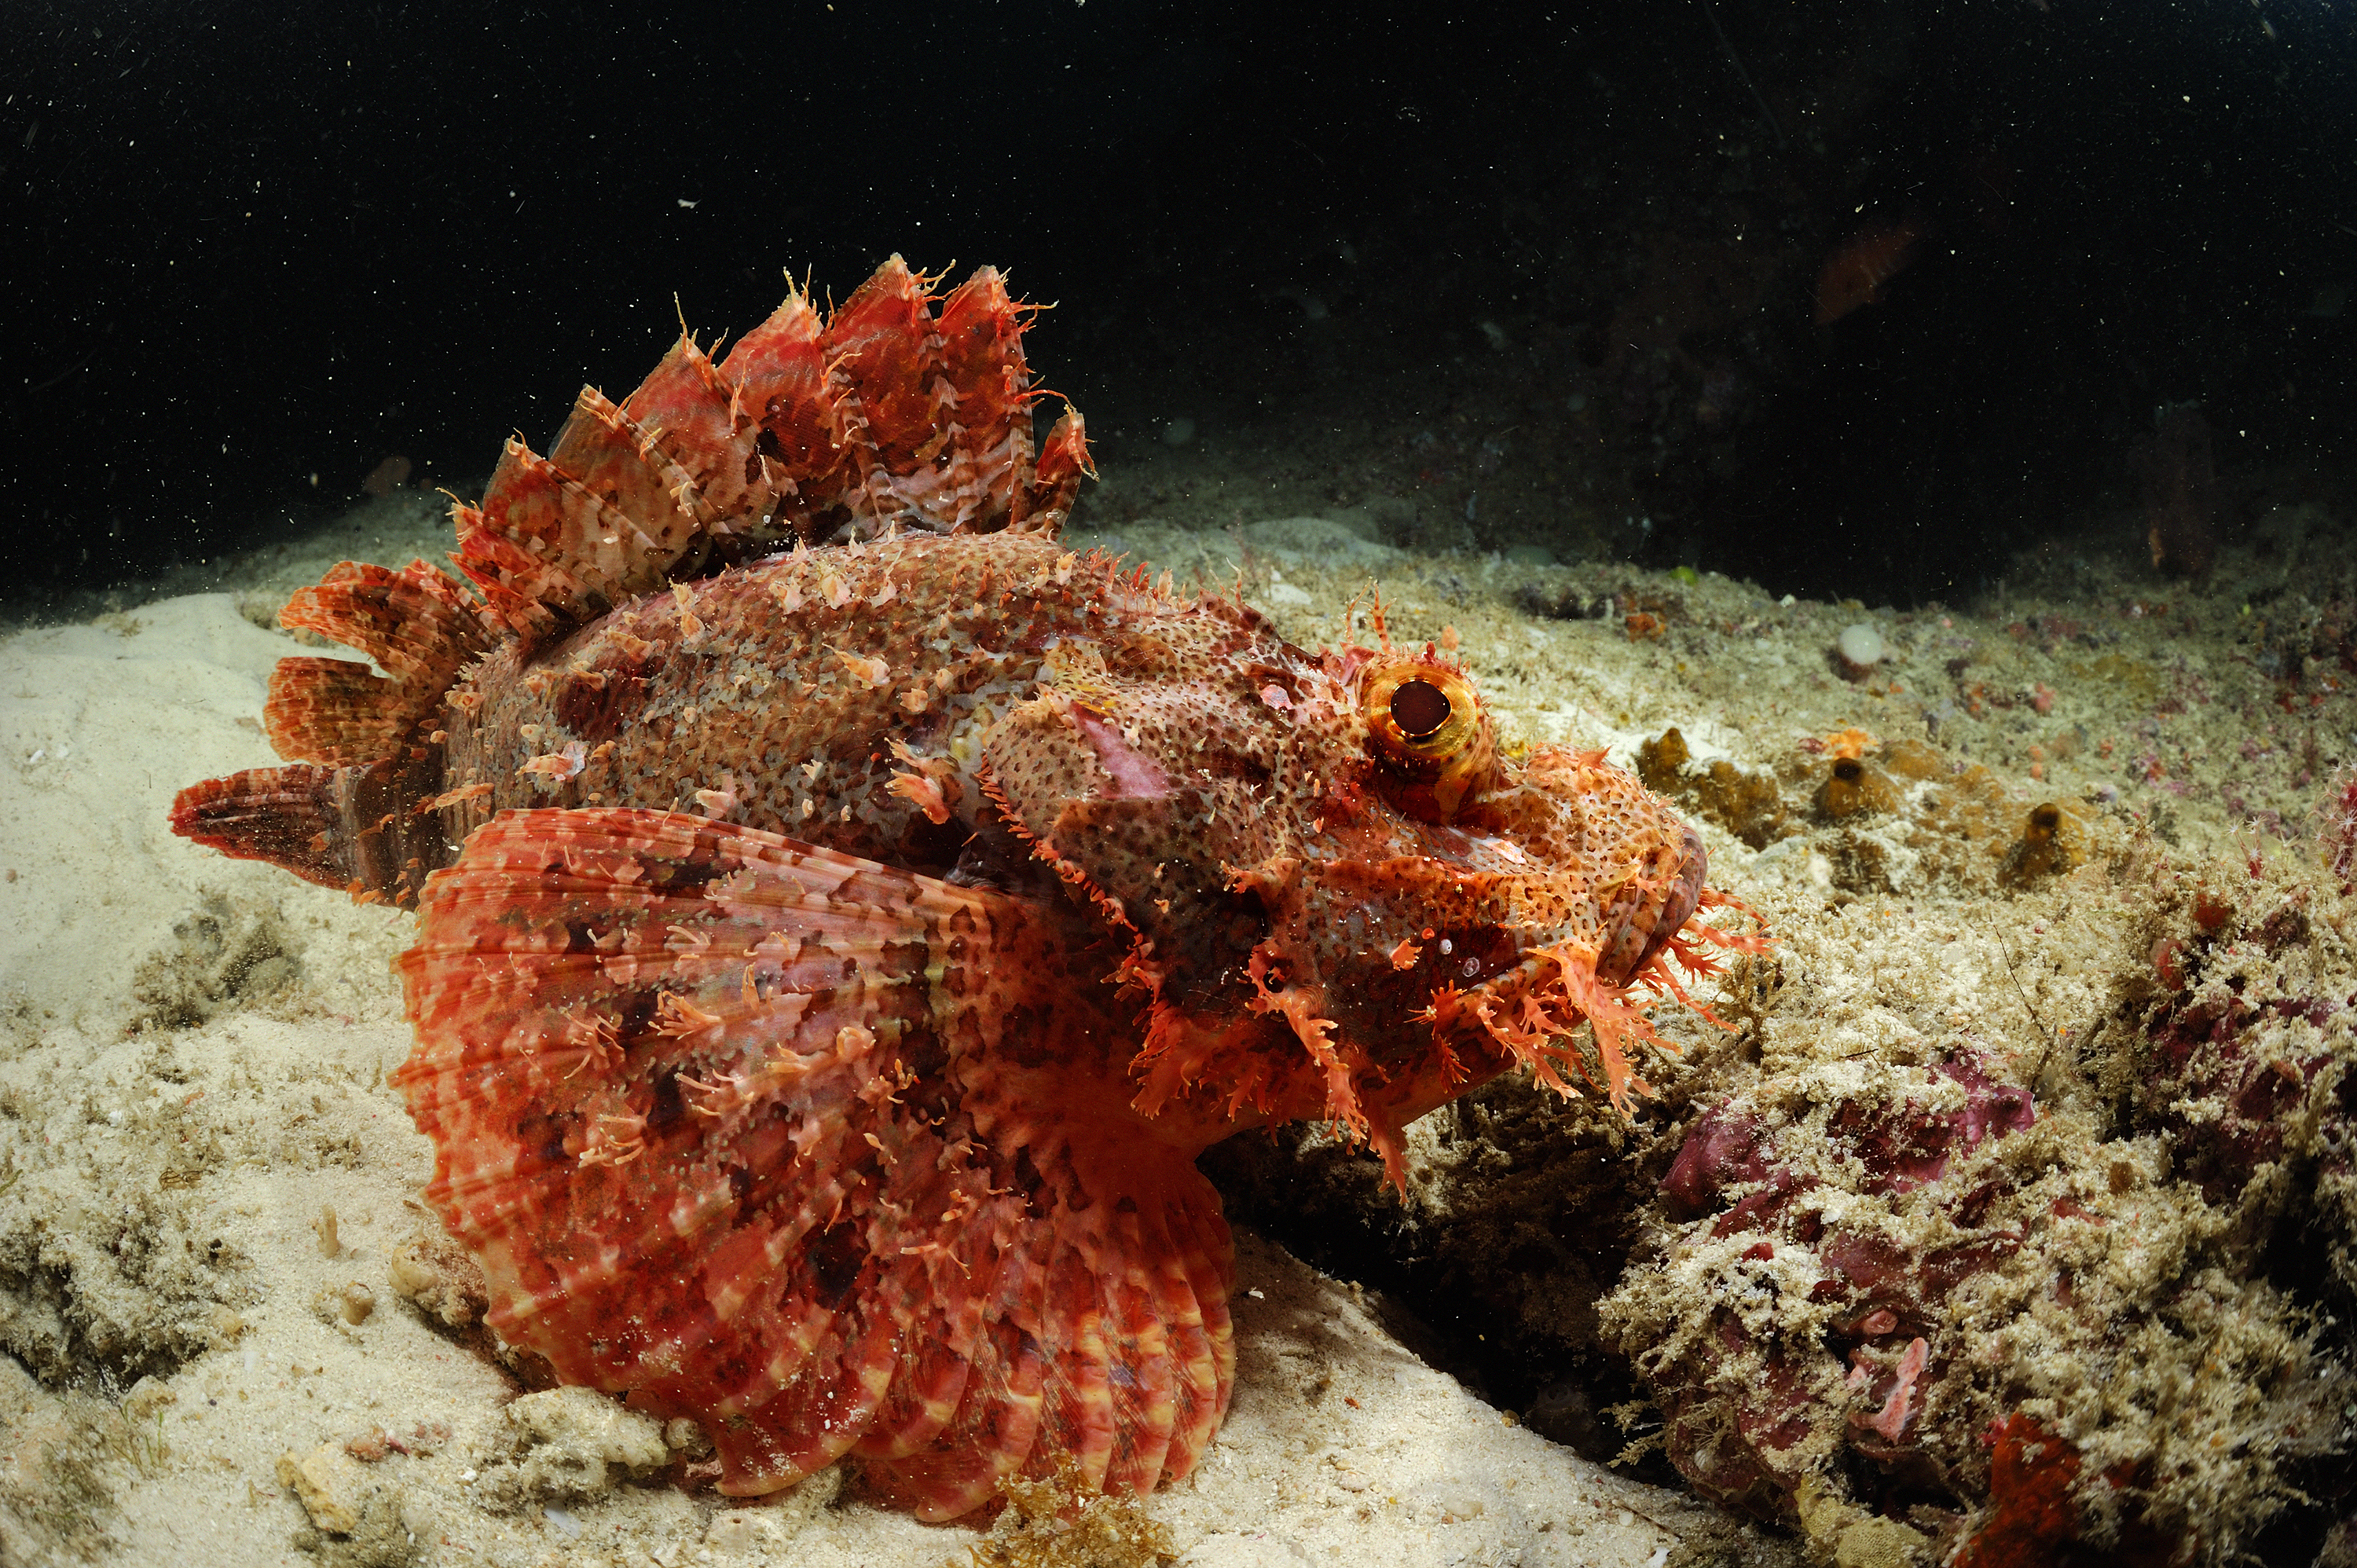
x,y
370,831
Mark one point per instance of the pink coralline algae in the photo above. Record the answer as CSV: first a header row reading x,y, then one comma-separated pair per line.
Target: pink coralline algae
x,y
1888,1300
1746,1173
1901,1148
2248,1066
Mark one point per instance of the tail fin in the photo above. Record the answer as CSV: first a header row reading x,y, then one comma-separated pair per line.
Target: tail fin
x,y
372,830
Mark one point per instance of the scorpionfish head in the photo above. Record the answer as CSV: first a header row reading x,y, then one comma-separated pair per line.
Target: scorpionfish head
x,y
1344,897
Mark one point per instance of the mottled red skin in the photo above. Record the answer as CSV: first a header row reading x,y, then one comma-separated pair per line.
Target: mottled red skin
x,y
852,945
2032,1516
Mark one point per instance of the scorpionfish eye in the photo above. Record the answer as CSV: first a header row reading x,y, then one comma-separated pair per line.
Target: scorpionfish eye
x,y
1427,728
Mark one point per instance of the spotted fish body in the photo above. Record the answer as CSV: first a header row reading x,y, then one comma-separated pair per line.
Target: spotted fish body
x,y
845,914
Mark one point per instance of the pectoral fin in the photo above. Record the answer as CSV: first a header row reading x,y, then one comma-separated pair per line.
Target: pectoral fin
x,y
815,1150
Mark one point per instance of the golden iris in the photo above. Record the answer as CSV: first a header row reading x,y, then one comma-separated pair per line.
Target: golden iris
x,y
1425,719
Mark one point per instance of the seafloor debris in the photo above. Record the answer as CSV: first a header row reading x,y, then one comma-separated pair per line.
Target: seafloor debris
x,y
224,954
1907,812
1747,803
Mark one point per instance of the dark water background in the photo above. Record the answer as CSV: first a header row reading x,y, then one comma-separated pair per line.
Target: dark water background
x,y
242,246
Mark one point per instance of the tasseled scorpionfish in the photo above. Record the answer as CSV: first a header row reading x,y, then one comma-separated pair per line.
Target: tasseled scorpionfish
x,y
844,915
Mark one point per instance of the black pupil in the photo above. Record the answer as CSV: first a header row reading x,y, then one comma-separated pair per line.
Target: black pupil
x,y
1419,707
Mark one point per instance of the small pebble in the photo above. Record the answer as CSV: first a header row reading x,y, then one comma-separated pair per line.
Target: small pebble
x,y
1860,648
329,1484
147,1397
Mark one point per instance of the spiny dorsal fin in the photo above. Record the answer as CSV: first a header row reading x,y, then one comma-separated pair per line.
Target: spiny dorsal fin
x,y
888,414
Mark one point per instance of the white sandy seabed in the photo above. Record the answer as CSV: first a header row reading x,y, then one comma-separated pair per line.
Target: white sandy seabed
x,y
208,1218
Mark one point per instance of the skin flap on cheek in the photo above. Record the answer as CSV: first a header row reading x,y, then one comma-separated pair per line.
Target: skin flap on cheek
x,y
1135,774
